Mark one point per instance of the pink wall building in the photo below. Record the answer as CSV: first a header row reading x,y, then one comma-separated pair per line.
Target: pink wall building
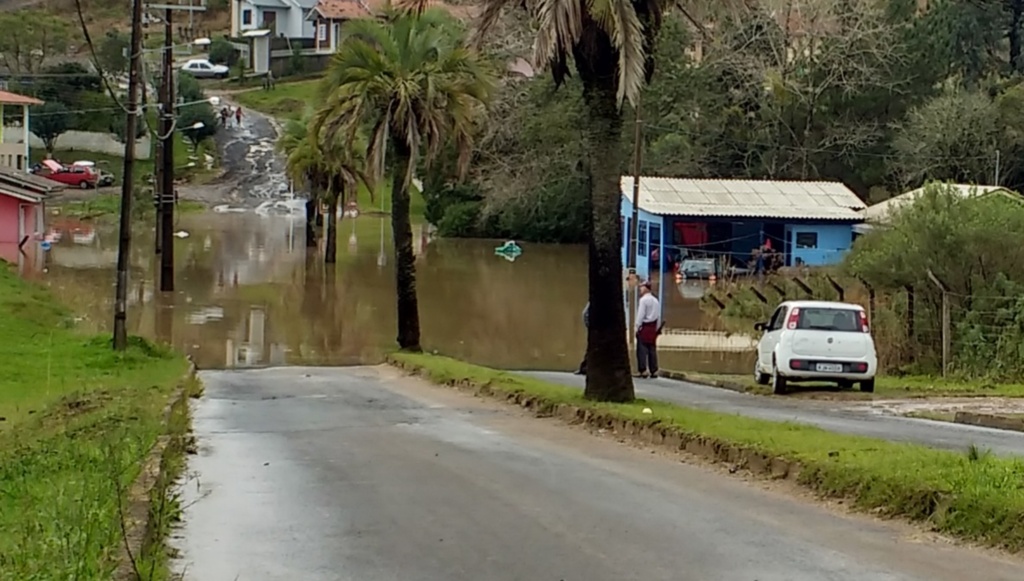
x,y
22,211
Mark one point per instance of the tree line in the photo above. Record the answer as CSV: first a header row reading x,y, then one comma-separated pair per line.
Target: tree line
x,y
882,96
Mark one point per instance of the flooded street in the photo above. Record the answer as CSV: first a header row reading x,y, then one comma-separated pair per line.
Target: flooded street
x,y
247,296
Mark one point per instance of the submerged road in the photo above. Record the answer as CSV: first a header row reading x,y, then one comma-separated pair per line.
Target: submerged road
x,y
361,474
832,416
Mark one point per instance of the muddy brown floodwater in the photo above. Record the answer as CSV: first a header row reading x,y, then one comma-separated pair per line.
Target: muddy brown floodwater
x,y
246,296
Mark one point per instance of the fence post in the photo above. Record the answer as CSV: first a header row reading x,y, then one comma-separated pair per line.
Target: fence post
x,y
945,320
910,311
803,285
871,300
835,285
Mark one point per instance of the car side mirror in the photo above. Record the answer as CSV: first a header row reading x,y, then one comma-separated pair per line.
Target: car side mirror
x,y
761,326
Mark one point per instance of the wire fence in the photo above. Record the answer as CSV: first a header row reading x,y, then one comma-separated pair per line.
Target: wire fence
x,y
917,329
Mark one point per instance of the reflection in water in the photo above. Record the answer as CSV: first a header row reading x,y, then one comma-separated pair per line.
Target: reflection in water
x,y
248,295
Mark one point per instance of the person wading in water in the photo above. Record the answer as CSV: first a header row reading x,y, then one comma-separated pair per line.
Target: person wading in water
x,y
648,327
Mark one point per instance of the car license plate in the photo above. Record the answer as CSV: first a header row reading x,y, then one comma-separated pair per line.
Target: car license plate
x,y
829,367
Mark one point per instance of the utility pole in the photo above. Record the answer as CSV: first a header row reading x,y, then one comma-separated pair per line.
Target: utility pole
x,y
167,161
158,170
638,149
125,238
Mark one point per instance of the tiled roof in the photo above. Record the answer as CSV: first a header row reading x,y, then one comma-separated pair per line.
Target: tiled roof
x,y
349,9
746,198
8,98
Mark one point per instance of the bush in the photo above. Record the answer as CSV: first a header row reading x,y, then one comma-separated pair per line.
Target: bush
x,y
222,52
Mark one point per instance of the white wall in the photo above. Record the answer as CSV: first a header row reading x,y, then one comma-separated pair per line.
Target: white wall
x,y
84,141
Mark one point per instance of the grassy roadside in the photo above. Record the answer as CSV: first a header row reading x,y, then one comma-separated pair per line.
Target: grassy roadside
x,y
78,422
885,386
972,495
102,205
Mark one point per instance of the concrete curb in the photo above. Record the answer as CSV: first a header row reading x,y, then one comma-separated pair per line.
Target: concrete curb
x,y
990,421
648,432
681,376
135,513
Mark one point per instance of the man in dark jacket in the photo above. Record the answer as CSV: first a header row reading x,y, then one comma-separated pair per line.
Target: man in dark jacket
x,y
586,325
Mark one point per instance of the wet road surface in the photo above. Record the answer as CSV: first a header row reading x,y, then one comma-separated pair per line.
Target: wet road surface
x,y
360,474
833,416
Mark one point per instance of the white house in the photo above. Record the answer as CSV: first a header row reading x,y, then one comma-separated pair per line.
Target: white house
x,y
287,18
328,16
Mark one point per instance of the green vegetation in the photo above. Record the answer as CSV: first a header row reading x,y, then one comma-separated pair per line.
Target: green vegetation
x,y
102,205
284,101
77,421
971,495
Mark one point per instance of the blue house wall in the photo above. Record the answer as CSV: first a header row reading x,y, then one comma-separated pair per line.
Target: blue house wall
x,y
830,243
811,243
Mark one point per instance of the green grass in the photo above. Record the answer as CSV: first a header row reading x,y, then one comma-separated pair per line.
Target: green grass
x,y
106,205
971,495
77,420
284,101
885,386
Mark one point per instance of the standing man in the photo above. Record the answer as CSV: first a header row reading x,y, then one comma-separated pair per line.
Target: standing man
x,y
586,325
648,327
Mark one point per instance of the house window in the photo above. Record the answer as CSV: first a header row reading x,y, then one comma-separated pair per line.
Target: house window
x,y
641,243
806,239
321,33
247,17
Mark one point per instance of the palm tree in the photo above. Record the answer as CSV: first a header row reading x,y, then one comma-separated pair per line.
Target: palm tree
x,y
332,168
611,44
412,82
303,162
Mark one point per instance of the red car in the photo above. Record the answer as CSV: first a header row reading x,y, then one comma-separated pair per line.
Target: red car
x,y
73,175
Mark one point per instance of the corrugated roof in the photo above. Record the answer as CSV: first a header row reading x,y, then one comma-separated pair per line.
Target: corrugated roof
x,y
746,198
269,3
9,98
880,212
27,181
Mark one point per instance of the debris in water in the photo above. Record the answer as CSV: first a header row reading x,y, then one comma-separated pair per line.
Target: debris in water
x,y
181,234
510,251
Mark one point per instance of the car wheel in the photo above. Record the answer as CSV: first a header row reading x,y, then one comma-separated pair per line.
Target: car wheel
x,y
761,378
83,184
779,386
868,385
845,384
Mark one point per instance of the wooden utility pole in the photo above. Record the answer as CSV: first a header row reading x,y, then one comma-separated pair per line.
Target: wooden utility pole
x,y
158,170
638,148
125,238
167,160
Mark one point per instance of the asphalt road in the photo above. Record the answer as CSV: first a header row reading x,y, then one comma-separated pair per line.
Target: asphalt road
x,y
360,474
832,416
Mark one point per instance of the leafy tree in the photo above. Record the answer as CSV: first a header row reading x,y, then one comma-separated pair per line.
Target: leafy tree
x,y
193,114
223,52
117,126
409,79
30,37
112,52
188,88
48,122
304,164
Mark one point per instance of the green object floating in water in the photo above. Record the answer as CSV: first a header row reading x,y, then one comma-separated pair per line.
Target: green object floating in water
x,y
509,250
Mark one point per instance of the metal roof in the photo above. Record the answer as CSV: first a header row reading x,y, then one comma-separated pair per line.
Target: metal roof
x,y
880,212
269,3
24,181
745,198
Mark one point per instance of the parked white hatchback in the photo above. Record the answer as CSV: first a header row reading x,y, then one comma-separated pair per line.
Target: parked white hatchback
x,y
816,341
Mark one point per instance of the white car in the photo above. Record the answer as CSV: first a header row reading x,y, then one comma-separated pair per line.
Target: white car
x,y
204,69
816,341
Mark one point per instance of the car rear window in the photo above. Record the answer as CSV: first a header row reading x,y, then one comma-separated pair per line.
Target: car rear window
x,y
828,319
698,266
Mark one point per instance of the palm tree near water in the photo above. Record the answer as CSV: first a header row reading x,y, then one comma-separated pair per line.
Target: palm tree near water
x,y
334,169
411,82
611,44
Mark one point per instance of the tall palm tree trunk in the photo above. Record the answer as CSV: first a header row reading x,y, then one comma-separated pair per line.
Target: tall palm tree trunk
x,y
608,370
331,250
405,261
311,208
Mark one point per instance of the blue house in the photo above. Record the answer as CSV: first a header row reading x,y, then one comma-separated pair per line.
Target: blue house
x,y
804,223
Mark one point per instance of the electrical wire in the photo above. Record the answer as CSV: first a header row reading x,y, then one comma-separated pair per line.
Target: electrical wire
x,y
96,60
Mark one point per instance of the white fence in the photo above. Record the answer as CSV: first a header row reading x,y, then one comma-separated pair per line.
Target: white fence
x,y
83,141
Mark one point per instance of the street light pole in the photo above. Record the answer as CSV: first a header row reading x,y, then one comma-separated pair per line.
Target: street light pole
x,y
167,161
125,236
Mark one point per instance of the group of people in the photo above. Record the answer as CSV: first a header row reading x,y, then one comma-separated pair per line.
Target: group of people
x,y
227,112
647,326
